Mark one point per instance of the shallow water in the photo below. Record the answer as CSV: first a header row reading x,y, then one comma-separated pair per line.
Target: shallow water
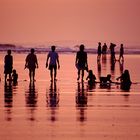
x,y
67,109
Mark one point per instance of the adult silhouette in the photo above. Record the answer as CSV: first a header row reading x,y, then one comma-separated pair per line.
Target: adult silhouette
x,y
121,53
99,51
81,62
8,65
31,63
53,57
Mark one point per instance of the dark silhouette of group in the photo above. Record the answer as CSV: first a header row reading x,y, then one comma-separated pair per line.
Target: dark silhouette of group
x,y
81,63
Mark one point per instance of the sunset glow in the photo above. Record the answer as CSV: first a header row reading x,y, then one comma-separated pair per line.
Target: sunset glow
x,y
36,21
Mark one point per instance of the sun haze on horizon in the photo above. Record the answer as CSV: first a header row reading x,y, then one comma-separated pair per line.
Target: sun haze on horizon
x,y
76,20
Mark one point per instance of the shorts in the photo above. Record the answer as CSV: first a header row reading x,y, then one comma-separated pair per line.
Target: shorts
x,y
51,67
81,67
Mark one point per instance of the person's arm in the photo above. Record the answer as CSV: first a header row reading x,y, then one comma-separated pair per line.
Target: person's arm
x,y
47,60
58,61
118,78
26,62
86,61
12,60
94,77
87,77
36,61
76,59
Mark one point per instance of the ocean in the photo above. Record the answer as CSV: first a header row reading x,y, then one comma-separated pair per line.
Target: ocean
x,y
68,109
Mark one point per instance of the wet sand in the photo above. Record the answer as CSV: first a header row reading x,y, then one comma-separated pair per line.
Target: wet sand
x,y
69,109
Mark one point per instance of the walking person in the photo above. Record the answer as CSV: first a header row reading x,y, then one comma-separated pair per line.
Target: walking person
x,y
81,62
8,65
121,53
112,51
31,63
53,59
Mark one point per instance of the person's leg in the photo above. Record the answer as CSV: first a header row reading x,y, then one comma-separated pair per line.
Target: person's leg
x,y
122,58
82,75
55,73
5,76
78,75
51,74
10,77
33,73
30,75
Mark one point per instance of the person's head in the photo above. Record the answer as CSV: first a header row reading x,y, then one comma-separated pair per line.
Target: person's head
x,y
90,72
32,50
14,71
53,48
82,47
99,43
126,72
9,52
121,45
109,76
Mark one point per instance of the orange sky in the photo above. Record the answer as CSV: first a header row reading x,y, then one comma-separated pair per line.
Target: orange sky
x,y
38,21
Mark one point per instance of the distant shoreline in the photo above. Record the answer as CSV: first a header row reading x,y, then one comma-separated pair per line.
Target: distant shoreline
x,y
62,49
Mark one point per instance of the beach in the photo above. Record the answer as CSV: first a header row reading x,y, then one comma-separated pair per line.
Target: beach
x,y
107,113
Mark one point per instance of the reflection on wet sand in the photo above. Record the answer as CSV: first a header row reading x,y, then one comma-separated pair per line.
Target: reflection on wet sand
x,y
99,69
112,68
8,100
31,96
104,61
121,64
52,99
81,102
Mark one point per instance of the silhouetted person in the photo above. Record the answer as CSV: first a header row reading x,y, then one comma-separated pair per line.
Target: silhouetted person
x,y
105,80
91,78
125,80
8,65
99,51
112,51
81,101
14,76
53,57
31,63
121,53
104,49
81,62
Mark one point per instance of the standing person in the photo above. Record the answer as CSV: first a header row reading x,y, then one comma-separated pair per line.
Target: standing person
x,y
121,53
81,62
112,51
99,51
53,57
8,65
104,48
31,63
